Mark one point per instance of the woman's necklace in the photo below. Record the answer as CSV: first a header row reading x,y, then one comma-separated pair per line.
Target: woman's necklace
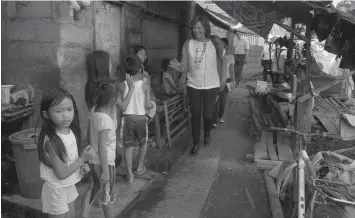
x,y
198,60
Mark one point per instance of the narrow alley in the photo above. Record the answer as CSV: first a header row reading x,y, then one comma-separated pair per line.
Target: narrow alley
x,y
216,183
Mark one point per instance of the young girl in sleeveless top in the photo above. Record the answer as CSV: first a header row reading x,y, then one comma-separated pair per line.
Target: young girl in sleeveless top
x,y
58,153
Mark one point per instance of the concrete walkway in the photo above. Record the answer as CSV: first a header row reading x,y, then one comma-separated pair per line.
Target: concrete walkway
x,y
216,183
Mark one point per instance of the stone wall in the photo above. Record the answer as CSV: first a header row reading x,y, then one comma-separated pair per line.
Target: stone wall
x,y
42,43
45,46
30,36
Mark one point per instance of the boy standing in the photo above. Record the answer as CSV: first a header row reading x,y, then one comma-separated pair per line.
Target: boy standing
x,y
135,124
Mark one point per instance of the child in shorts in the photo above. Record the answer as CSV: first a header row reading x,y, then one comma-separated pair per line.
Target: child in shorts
x,y
135,120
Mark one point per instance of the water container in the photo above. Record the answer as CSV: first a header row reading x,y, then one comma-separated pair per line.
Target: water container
x,y
27,162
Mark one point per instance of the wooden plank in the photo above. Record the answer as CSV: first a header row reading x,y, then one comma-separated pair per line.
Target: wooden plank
x,y
284,150
256,122
260,149
167,123
271,147
157,130
266,164
275,205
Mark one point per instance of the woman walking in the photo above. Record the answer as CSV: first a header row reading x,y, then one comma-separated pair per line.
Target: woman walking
x,y
201,77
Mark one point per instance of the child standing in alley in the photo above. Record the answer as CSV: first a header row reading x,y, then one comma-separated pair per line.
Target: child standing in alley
x,y
58,153
102,132
135,120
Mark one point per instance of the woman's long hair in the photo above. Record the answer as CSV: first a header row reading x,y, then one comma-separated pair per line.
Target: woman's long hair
x,y
52,98
98,67
107,92
204,22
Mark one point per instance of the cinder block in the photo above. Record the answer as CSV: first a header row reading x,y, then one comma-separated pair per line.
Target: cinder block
x,y
11,53
10,8
17,73
48,77
71,57
40,9
39,31
72,35
33,53
38,76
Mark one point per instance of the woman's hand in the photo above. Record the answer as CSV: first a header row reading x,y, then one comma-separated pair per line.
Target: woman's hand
x,y
176,65
130,82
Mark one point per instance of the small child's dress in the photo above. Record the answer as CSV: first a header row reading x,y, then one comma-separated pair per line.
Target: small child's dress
x,y
57,194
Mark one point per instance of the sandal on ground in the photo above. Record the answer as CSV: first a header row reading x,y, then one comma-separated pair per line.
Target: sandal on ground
x,y
136,172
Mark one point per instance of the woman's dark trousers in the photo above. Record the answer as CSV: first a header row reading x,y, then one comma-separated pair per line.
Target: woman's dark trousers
x,y
204,99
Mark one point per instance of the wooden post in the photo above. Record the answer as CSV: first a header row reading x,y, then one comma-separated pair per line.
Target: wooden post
x,y
290,48
304,109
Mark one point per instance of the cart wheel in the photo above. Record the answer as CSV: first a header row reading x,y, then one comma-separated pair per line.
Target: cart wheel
x,y
327,211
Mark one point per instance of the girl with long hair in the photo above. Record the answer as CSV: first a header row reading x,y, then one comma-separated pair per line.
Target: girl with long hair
x,y
58,153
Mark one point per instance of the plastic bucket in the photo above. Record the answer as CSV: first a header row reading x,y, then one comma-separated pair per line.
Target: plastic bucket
x,y
27,162
5,93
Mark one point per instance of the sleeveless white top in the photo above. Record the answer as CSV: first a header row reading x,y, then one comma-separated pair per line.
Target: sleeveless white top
x,y
136,104
203,71
47,173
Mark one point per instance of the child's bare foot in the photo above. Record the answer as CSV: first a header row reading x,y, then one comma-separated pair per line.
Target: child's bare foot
x,y
129,179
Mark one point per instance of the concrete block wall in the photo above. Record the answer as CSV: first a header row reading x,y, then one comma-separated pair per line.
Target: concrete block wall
x,y
44,46
30,35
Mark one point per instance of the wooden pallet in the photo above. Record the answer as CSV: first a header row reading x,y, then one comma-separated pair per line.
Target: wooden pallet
x,y
283,147
271,150
176,119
